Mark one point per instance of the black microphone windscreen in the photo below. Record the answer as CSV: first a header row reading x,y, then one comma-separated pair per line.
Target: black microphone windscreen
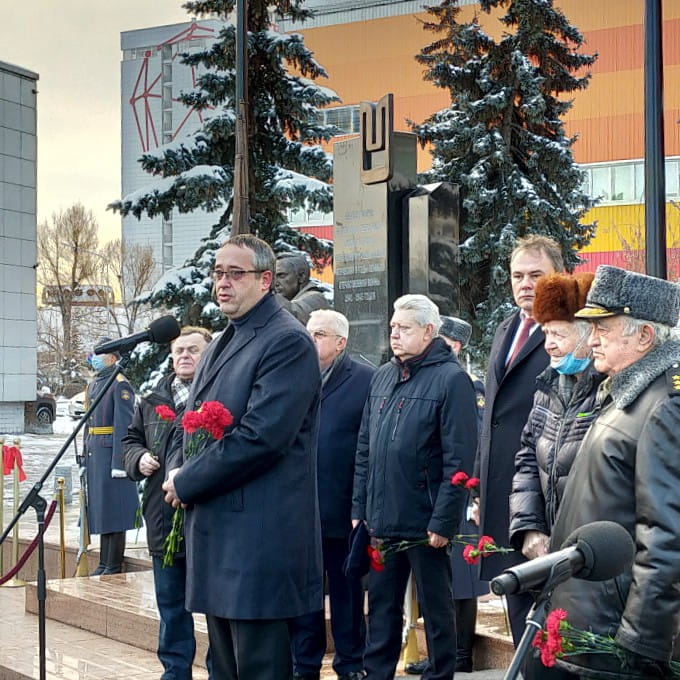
x,y
607,547
164,330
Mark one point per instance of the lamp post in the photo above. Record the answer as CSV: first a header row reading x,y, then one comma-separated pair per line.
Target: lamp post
x,y
655,177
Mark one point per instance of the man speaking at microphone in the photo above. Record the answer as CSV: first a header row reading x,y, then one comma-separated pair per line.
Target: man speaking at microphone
x,y
628,470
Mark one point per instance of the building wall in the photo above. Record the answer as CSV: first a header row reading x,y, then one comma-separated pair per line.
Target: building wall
x,y
152,79
18,334
368,50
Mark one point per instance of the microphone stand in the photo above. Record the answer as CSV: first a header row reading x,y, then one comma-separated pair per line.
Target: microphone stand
x,y
559,573
36,501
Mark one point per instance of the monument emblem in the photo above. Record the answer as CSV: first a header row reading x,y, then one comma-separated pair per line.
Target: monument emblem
x,y
390,236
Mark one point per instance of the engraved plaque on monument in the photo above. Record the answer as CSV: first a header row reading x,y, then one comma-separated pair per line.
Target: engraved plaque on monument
x,y
372,175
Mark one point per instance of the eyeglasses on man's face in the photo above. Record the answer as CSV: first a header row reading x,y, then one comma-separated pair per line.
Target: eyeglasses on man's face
x,y
320,335
232,274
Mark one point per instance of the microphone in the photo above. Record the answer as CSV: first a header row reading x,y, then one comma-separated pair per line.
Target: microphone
x,y
594,552
162,330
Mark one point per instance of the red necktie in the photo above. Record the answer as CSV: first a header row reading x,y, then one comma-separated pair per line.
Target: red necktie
x,y
524,331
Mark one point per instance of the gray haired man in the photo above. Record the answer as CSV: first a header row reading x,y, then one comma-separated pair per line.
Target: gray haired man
x,y
418,428
628,470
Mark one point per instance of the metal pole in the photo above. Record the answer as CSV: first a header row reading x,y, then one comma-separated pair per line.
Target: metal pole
x,y
240,204
655,178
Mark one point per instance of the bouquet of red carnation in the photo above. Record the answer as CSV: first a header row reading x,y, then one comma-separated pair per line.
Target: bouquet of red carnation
x,y
166,417
210,420
485,546
464,480
559,639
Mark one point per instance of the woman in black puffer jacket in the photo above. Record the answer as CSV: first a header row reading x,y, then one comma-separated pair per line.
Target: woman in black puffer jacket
x,y
565,404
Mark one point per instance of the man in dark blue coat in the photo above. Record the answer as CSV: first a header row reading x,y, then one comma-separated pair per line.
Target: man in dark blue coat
x,y
112,497
419,427
253,540
344,390
517,356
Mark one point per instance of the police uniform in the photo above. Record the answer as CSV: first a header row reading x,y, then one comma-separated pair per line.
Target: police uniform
x,y
112,497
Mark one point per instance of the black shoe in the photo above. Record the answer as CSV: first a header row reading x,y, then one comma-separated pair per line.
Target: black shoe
x,y
99,570
464,665
353,675
416,667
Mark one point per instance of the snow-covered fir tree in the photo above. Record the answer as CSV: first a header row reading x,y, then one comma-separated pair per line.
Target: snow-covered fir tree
x,y
503,141
287,167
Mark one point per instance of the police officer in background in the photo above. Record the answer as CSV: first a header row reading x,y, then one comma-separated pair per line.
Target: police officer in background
x,y
112,497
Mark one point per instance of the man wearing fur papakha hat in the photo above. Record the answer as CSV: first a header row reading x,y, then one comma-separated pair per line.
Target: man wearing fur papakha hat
x,y
628,470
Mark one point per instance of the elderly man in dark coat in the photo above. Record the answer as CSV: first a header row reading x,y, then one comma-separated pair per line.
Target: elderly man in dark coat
x,y
344,390
253,541
112,497
627,470
147,448
517,356
419,427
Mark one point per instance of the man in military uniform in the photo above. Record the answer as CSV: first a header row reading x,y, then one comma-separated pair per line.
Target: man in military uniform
x,y
627,470
112,497
296,292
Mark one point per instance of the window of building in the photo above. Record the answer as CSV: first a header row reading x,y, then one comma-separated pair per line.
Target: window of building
x,y
625,182
623,178
601,183
345,118
672,179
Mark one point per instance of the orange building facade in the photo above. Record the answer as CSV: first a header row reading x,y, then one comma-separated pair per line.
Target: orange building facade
x,y
368,49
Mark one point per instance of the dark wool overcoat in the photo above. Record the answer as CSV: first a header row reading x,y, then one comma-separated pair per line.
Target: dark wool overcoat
x,y
509,397
253,540
342,403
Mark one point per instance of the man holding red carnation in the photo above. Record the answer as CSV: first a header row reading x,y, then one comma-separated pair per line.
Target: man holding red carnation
x,y
146,449
252,531
419,427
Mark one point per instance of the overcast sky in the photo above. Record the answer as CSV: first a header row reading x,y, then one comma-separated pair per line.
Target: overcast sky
x,y
74,46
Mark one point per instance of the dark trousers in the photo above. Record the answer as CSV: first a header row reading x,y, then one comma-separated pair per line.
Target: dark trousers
x,y
249,650
466,621
386,589
346,597
176,643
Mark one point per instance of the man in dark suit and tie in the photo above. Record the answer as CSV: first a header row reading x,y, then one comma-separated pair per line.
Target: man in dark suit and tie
x,y
253,539
517,356
344,388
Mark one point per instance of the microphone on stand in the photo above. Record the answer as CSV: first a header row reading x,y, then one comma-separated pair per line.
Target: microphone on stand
x,y
594,552
161,331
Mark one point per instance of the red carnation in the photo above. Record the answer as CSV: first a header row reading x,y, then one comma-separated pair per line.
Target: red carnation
x,y
459,478
554,620
376,558
486,545
192,421
472,483
471,554
164,412
215,418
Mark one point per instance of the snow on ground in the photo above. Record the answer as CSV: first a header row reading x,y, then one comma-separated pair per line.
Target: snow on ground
x,y
38,451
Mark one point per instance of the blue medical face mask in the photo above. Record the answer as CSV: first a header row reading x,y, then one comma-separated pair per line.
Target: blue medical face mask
x,y
570,365
97,363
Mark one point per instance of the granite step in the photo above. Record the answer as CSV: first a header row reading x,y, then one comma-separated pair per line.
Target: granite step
x,y
120,607
71,652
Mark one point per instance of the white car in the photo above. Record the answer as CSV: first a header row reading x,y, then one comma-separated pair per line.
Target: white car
x,y
76,405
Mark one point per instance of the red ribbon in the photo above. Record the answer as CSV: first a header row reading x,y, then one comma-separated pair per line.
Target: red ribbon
x,y
10,456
